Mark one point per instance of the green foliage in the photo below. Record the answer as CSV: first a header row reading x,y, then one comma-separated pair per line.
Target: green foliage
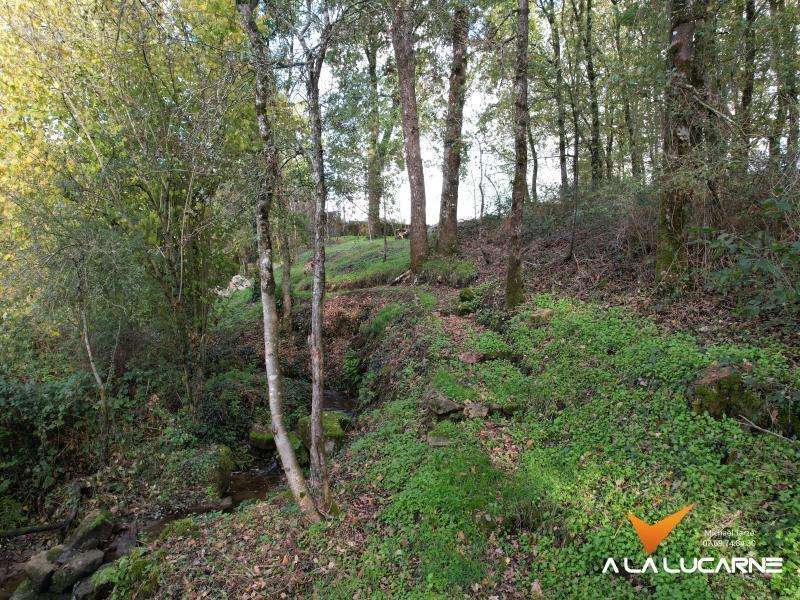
x,y
453,271
180,528
135,575
374,329
762,271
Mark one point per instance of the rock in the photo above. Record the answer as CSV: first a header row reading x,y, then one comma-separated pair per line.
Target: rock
x,y
539,316
94,530
720,390
80,565
223,467
440,404
39,571
331,427
438,440
237,282
25,591
125,542
261,437
85,590
475,410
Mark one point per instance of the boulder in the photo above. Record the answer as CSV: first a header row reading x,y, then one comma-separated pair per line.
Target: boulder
x,y
94,530
540,316
720,390
475,410
332,429
261,437
39,571
25,591
440,404
223,466
78,566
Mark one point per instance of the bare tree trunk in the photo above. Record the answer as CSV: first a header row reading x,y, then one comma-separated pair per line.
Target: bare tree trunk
x,y
406,75
534,194
595,147
682,133
548,8
514,290
448,211
319,468
744,113
286,254
264,97
609,142
784,48
373,161
105,414
637,163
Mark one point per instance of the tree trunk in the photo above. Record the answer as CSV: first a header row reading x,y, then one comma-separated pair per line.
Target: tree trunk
x,y
595,147
448,212
264,98
682,132
105,413
558,93
784,48
514,289
406,75
373,161
534,193
319,468
286,254
637,163
744,112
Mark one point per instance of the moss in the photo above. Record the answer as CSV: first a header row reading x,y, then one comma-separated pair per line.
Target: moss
x,y
182,528
331,425
450,270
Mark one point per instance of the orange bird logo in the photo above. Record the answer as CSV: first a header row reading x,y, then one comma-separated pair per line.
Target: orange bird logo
x,y
653,535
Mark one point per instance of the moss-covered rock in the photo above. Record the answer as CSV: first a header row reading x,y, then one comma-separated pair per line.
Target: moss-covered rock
x,y
39,571
94,530
25,591
79,565
332,429
223,467
721,390
261,437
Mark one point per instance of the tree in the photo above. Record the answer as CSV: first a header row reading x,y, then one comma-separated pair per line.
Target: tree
x,y
548,8
448,209
264,102
314,57
683,126
514,289
405,59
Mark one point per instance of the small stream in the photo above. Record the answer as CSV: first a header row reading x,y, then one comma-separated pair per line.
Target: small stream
x,y
253,484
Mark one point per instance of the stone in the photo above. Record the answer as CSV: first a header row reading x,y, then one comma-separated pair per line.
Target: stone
x,y
79,566
475,410
720,390
39,571
223,467
539,316
331,427
440,404
438,440
261,437
94,530
25,591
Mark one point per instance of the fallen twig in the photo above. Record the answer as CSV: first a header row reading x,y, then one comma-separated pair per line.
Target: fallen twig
x,y
749,423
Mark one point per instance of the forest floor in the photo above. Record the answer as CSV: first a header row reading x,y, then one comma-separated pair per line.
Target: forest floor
x,y
498,455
